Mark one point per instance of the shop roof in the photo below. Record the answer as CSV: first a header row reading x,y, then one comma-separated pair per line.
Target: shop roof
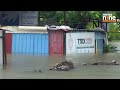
x,y
67,28
90,30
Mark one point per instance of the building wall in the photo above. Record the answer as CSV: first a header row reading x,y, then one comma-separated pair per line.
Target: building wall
x,y
99,45
99,37
8,43
80,42
56,42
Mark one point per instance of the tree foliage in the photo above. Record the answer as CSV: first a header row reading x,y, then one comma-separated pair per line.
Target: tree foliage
x,y
72,17
114,33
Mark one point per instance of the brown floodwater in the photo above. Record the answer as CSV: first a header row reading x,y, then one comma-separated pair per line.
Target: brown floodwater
x,y
22,67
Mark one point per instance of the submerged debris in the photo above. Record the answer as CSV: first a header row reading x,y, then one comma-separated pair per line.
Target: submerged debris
x,y
37,70
113,62
63,66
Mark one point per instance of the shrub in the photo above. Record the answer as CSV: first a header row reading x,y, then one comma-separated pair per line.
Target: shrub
x,y
109,48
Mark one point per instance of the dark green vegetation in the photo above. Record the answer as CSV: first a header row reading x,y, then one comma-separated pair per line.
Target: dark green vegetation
x,y
72,17
109,48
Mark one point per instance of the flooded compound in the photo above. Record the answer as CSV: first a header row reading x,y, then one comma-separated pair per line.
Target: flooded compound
x,y
24,66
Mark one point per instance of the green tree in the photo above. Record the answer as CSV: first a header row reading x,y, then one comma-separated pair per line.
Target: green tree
x,y
72,17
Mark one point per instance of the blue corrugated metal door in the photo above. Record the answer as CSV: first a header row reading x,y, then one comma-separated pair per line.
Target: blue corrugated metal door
x,y
30,43
99,40
100,45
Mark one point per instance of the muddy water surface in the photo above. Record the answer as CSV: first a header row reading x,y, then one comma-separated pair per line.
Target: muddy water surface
x,y
22,66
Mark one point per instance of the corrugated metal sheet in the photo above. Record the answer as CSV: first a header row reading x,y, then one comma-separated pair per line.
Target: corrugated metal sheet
x,y
8,43
99,35
30,43
99,47
56,44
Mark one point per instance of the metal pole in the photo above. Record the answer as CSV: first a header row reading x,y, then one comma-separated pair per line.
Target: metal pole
x,y
4,49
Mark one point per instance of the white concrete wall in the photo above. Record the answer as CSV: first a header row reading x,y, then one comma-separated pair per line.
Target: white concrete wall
x,y
74,46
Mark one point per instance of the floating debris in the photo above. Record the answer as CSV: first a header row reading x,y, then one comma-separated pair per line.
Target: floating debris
x,y
63,66
113,62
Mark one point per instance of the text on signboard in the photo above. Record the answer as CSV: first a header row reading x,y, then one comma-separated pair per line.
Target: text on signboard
x,y
85,41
